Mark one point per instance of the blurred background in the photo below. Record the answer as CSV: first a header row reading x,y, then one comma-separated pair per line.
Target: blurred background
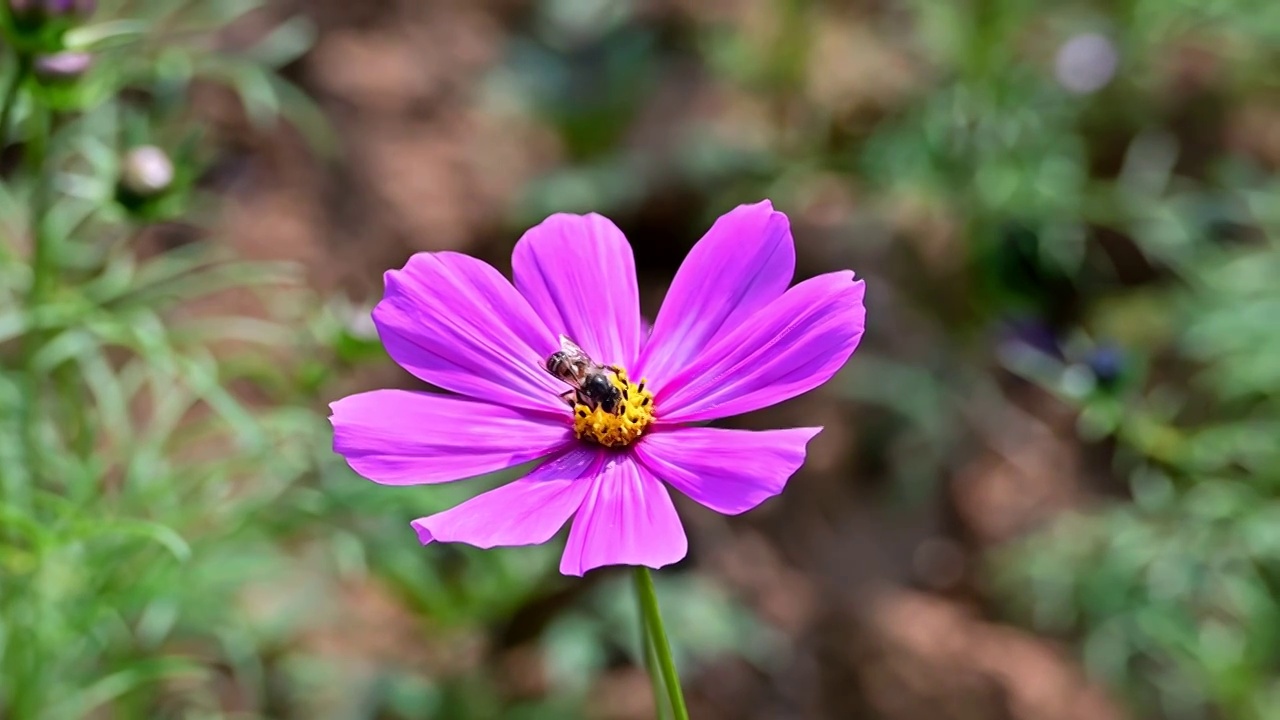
x,y
1049,484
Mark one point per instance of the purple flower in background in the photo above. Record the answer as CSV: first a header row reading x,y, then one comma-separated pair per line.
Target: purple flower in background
x,y
1086,63
34,9
62,66
1107,362
146,171
1032,334
731,337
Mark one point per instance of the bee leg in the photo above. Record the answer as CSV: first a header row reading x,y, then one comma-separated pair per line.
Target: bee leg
x,y
616,371
568,400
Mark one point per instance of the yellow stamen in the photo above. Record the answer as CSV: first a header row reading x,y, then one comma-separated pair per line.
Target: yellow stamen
x,y
633,416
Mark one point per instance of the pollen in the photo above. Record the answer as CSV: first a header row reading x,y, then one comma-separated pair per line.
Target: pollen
x,y
620,428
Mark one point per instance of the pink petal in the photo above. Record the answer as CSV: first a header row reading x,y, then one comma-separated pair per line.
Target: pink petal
x,y
398,437
578,273
528,511
626,519
729,471
790,347
455,322
743,263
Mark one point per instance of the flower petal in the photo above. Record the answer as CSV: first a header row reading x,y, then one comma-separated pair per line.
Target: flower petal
x,y
398,437
527,511
626,519
455,322
744,262
790,347
578,273
729,471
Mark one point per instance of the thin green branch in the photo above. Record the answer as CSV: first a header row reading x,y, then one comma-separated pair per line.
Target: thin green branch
x,y
43,270
20,74
650,656
651,619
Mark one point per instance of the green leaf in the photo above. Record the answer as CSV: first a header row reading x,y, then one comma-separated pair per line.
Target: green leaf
x,y
252,84
163,535
286,43
114,686
105,34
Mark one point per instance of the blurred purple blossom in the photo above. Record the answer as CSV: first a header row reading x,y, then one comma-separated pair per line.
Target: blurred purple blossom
x,y
147,171
1107,362
67,65
1032,334
39,9
1086,63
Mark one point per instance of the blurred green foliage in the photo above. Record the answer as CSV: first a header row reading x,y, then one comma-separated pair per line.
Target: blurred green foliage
x,y
1106,203
133,479
172,522
175,534
1176,594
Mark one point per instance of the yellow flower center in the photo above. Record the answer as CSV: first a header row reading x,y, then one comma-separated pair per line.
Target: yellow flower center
x,y
620,428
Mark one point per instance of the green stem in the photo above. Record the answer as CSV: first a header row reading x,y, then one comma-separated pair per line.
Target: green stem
x,y
650,656
11,97
43,275
43,266
651,619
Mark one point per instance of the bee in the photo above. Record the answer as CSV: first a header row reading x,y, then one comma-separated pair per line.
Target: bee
x,y
591,386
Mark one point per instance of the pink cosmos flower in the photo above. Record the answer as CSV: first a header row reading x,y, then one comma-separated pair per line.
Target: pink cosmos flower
x,y
730,337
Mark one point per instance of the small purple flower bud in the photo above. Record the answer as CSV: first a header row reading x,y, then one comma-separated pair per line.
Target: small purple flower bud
x,y
1107,362
147,171
1086,63
62,67
1032,334
71,8
38,10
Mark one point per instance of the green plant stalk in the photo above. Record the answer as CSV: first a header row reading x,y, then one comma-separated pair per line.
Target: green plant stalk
x,y
43,269
75,418
43,256
650,656
20,74
656,634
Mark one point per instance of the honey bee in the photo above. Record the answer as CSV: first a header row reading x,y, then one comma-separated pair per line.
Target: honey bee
x,y
591,386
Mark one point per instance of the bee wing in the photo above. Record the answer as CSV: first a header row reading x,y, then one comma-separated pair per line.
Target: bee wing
x,y
570,348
